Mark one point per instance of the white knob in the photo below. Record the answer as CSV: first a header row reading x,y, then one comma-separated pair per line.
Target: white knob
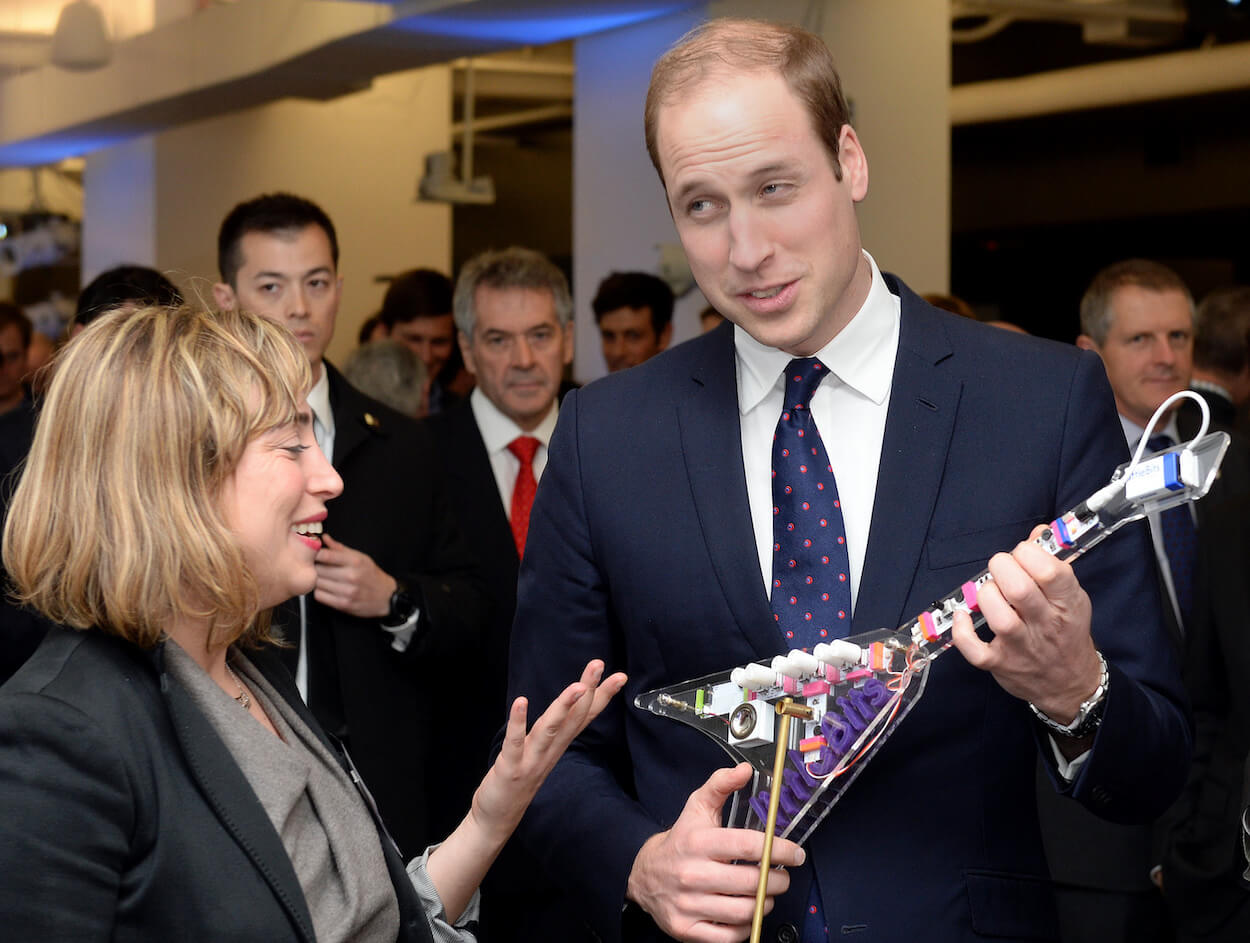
x,y
839,653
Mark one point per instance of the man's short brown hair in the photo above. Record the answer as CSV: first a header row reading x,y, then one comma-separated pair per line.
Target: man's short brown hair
x,y
744,45
1222,330
1142,273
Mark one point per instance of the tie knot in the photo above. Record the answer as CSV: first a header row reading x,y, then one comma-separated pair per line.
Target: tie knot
x,y
524,447
802,377
1157,443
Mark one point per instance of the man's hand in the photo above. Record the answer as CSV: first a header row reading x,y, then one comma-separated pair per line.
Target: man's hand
x,y
1041,651
351,582
686,878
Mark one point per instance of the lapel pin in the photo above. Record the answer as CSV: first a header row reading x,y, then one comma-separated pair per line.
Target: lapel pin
x,y
371,421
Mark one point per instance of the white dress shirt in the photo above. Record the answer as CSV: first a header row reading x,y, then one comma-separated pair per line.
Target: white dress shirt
x,y
323,416
497,431
849,408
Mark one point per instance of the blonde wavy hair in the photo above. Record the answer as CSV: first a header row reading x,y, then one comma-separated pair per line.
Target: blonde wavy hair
x,y
116,522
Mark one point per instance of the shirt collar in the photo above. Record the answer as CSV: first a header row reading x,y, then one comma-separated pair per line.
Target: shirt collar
x,y
319,400
498,430
1133,432
860,355
1210,386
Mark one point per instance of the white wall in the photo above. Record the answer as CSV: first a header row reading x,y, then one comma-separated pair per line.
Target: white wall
x,y
358,156
894,59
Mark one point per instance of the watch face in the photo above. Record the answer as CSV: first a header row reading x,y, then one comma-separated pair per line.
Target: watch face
x,y
402,605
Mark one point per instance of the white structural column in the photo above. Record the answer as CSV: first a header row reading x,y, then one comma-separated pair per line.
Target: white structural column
x,y
119,207
894,60
619,213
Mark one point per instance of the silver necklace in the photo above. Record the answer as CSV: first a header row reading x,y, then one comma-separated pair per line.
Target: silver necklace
x,y
244,699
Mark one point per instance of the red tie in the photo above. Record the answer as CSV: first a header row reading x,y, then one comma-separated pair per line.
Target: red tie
x,y
523,447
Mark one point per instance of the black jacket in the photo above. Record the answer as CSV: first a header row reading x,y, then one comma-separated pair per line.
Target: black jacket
x,y
125,816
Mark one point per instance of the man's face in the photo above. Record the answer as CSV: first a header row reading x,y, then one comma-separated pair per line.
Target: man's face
x,y
518,351
1148,352
629,337
769,230
289,277
430,338
12,365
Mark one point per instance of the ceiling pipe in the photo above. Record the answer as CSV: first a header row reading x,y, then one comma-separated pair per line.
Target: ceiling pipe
x,y
1131,81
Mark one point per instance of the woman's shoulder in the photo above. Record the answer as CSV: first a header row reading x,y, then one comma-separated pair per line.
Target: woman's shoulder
x,y
90,671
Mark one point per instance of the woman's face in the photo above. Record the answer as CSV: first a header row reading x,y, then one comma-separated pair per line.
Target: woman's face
x,y
275,503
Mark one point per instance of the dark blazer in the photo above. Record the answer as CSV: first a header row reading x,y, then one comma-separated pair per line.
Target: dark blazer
x,y
474,499
514,886
1233,482
20,629
1203,861
394,509
644,554
125,816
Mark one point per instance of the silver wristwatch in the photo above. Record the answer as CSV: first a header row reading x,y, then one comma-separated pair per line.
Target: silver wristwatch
x,y
1088,715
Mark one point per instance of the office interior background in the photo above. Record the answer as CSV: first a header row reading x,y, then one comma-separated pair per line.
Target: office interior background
x,y
1015,146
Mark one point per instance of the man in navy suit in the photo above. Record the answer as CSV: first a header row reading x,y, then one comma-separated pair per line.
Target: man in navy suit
x,y
652,544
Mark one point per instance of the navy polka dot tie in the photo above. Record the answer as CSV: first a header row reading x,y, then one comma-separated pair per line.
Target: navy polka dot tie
x,y
811,590
1180,542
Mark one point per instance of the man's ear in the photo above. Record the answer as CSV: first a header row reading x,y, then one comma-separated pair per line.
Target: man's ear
x,y
666,335
224,297
466,352
1085,342
853,162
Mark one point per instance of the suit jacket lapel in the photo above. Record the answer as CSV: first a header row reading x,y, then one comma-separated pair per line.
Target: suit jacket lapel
x,y
711,441
924,399
479,477
231,797
354,421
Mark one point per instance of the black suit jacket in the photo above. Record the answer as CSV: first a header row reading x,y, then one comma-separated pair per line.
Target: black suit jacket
x,y
474,499
20,629
1233,481
1203,861
394,509
643,553
518,904
125,816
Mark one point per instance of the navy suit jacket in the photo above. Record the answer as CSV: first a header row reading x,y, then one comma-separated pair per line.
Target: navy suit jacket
x,y
641,551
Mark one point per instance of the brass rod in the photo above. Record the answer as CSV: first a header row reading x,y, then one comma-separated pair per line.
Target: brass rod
x,y
770,826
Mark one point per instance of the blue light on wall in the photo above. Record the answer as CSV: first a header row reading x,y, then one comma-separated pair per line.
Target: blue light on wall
x,y
49,150
542,26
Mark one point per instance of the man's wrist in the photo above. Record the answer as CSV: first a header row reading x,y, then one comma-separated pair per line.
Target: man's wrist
x,y
401,607
1088,714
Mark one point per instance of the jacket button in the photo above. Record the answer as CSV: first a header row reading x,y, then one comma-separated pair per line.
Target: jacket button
x,y
787,933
